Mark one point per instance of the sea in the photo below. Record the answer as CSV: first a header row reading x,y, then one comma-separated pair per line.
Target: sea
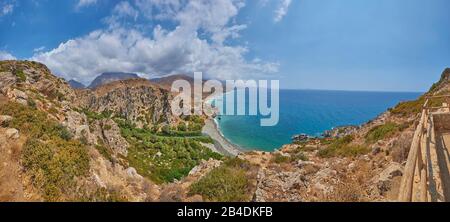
x,y
308,112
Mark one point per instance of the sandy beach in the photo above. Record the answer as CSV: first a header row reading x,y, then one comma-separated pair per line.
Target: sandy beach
x,y
221,144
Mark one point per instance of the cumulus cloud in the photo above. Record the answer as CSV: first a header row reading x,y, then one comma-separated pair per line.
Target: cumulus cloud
x,y
6,56
84,3
196,43
282,10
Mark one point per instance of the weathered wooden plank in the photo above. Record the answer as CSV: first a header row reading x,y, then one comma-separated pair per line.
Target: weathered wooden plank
x,y
406,187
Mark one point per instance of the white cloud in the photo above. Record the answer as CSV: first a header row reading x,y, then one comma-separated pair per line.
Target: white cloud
x,y
282,10
122,11
196,43
125,9
6,9
39,49
84,3
6,56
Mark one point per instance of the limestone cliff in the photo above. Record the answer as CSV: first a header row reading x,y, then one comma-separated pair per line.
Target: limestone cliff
x,y
137,100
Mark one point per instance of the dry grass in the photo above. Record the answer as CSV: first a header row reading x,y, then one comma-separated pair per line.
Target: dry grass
x,y
352,187
401,147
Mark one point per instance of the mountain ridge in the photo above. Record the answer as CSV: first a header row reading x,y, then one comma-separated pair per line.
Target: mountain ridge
x,y
75,84
108,77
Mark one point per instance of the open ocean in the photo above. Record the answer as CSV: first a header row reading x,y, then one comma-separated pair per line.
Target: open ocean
x,y
310,112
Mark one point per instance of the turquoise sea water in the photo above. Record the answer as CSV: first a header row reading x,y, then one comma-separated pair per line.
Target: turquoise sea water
x,y
311,112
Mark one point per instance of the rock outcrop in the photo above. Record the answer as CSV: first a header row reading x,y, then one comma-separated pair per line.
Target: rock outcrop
x,y
137,100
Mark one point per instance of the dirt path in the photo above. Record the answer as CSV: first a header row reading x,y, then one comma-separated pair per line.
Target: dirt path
x,y
11,188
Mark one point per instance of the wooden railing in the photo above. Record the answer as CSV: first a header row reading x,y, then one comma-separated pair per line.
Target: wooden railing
x,y
415,160
414,185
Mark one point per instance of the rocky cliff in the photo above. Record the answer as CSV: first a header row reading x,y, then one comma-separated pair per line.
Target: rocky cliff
x,y
137,100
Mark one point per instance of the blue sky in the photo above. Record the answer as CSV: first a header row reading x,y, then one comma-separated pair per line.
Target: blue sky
x,y
387,45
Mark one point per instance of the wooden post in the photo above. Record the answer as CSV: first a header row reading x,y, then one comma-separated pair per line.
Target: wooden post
x,y
406,187
424,166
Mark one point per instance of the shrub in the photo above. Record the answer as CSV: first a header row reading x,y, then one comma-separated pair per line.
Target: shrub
x,y
50,156
20,75
103,150
278,158
343,147
227,183
415,107
92,116
54,166
408,108
31,103
381,132
63,132
401,147
107,127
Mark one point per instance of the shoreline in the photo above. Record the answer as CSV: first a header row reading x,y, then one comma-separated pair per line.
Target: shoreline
x,y
221,144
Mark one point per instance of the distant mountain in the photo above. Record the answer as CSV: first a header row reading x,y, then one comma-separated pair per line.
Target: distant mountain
x,y
109,77
76,85
166,82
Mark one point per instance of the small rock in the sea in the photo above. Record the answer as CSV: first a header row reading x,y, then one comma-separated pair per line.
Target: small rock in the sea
x,y
300,138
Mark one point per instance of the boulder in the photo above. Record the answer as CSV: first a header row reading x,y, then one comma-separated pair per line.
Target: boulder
x,y
302,163
20,96
384,180
12,133
114,138
391,171
5,120
132,173
376,149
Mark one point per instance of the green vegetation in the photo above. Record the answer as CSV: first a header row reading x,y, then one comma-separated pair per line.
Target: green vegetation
x,y
416,106
164,157
54,165
50,156
343,147
227,183
278,158
409,108
103,150
382,131
93,116
293,157
20,75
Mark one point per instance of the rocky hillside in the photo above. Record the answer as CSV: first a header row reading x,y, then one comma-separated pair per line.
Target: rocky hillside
x,y
114,143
